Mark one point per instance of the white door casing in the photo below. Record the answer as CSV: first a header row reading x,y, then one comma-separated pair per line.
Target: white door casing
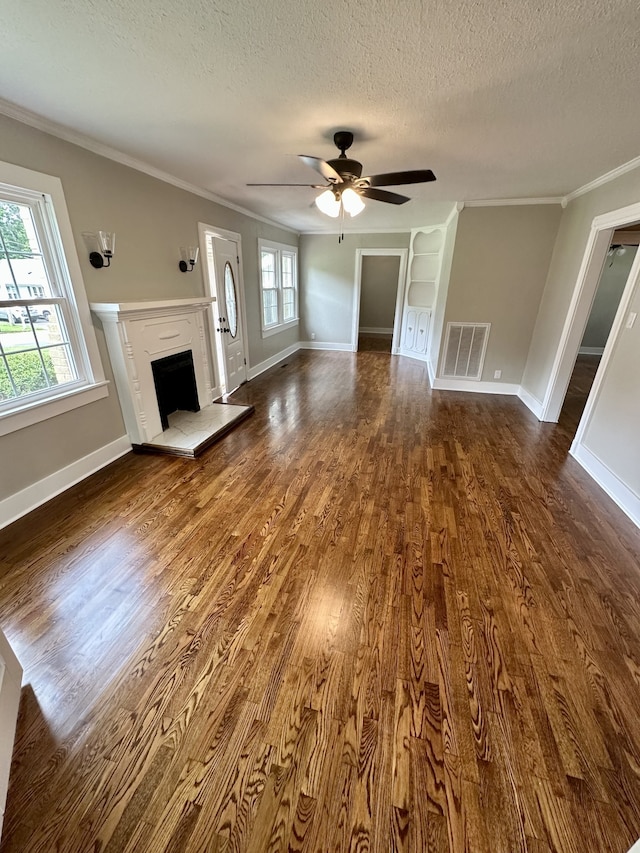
x,y
360,253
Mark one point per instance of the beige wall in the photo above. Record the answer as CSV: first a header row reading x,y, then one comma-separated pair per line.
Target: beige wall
x,y
327,279
498,272
152,220
378,291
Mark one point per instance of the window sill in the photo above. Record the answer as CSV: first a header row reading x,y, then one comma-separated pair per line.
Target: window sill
x,y
281,327
41,410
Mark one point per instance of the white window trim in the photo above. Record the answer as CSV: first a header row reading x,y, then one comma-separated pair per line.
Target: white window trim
x,y
95,386
278,249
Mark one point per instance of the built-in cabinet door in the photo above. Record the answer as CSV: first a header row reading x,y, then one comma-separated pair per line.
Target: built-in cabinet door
x,y
410,323
416,331
422,332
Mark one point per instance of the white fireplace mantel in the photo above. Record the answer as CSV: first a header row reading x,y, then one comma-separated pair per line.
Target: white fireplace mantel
x,y
139,333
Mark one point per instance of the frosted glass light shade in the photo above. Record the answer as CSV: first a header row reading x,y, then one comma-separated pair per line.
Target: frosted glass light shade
x,y
352,202
328,203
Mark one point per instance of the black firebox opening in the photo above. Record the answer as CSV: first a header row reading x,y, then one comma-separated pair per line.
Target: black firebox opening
x,y
175,381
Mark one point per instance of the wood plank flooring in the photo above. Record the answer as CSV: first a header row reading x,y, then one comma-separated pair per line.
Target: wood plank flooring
x,y
373,618
374,342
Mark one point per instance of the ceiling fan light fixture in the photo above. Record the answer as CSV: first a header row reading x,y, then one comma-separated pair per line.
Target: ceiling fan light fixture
x,y
328,203
352,202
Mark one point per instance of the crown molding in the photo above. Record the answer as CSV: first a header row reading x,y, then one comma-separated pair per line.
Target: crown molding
x,y
603,179
507,202
60,131
455,210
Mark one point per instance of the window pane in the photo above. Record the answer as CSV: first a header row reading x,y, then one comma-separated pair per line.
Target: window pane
x,y
230,299
18,336
288,271
288,304
27,372
7,391
59,365
41,316
268,267
23,277
270,303
36,350
18,234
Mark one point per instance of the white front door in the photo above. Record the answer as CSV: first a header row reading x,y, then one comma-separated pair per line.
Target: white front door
x,y
228,320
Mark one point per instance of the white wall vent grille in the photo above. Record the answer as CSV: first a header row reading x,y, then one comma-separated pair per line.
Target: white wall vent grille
x,y
464,350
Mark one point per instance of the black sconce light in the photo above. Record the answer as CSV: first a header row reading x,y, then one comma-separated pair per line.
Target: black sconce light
x,y
189,256
106,241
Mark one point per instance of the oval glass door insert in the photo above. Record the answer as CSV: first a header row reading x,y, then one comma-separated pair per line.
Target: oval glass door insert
x,y
230,298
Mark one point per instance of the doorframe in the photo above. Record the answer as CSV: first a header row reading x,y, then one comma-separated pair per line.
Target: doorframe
x,y
204,231
618,325
403,254
593,261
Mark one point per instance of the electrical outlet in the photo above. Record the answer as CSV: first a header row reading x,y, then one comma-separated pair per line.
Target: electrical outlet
x,y
313,336
631,320
497,374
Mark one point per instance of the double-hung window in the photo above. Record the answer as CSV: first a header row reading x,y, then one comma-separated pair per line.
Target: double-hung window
x,y
278,286
48,355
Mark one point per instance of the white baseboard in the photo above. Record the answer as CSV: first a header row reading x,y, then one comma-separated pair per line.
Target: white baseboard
x,y
375,330
590,350
268,363
326,345
531,402
10,684
19,504
619,492
635,848
432,372
475,387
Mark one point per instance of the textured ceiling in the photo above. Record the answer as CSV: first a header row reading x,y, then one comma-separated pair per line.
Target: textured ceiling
x,y
501,99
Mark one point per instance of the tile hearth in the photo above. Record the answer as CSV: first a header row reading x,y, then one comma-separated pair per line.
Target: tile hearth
x,y
190,433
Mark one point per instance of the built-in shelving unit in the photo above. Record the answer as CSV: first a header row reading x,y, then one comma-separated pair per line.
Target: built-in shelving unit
x,y
423,274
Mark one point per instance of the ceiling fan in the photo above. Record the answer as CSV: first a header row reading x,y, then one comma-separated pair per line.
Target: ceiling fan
x,y
345,187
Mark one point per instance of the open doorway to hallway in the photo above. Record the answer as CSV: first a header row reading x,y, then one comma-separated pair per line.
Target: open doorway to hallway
x,y
378,298
613,279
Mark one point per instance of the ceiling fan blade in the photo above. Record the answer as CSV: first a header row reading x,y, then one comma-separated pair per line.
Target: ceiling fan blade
x,y
394,179
313,186
383,195
327,171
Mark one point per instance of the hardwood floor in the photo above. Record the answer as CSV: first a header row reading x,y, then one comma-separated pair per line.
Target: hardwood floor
x,y
582,376
373,618
374,342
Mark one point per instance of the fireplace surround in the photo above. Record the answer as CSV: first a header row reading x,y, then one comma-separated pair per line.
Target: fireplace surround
x,y
141,333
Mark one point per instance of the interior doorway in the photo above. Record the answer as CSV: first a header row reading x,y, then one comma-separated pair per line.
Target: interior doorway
x,y
593,261
222,251
611,286
379,291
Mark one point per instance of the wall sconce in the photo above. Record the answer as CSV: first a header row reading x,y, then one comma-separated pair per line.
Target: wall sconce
x,y
106,241
189,256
